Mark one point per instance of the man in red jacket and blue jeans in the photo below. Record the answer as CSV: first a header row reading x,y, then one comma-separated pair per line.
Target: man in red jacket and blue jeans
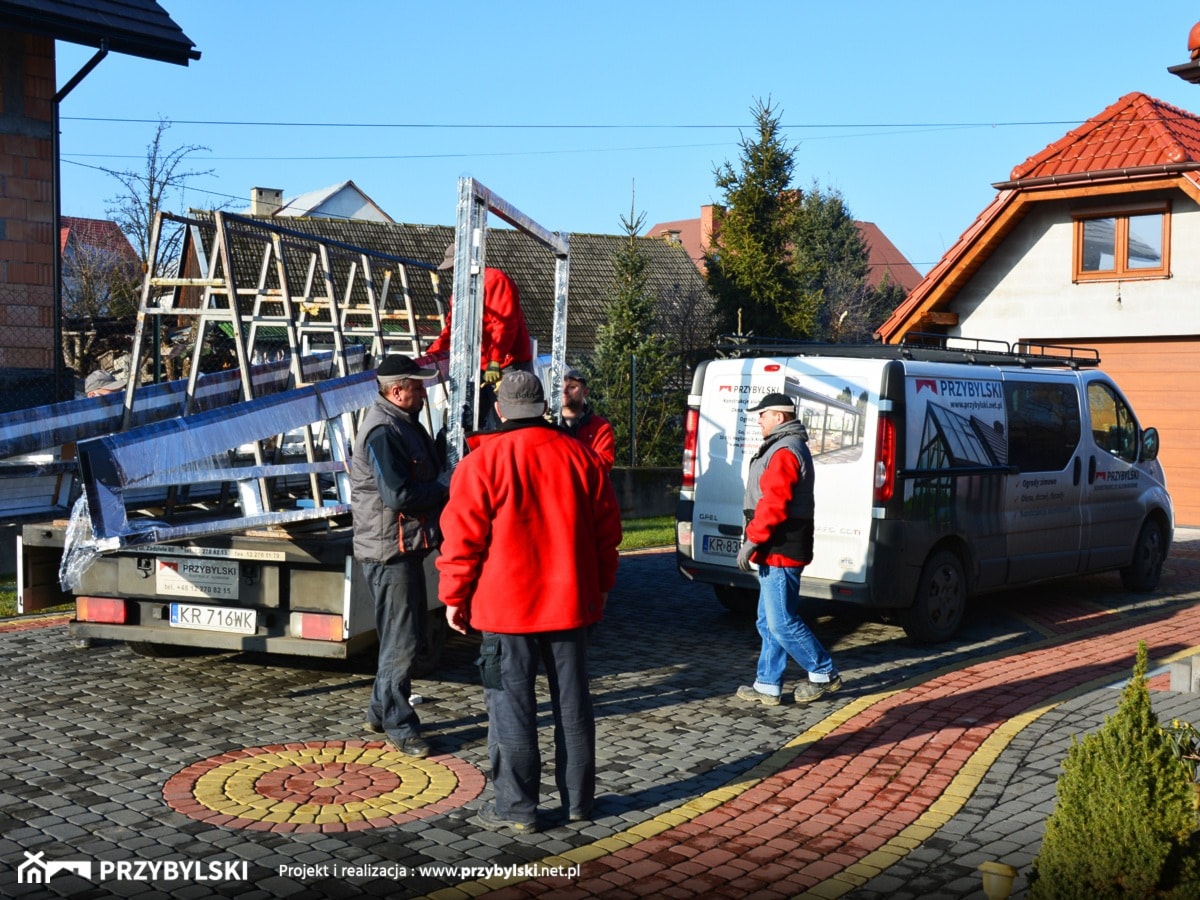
x,y
528,558
779,544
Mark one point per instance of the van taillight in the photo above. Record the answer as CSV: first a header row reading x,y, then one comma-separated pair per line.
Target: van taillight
x,y
690,426
885,460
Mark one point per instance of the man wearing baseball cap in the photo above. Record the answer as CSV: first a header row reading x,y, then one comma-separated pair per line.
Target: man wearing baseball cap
x,y
100,383
532,529
397,490
779,544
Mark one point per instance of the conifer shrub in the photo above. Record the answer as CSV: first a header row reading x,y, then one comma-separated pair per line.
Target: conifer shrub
x,y
1125,824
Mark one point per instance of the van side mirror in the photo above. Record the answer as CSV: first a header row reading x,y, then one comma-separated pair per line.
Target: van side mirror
x,y
1150,444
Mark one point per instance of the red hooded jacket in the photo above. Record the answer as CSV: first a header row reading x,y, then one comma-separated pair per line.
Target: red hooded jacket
x,y
505,337
530,532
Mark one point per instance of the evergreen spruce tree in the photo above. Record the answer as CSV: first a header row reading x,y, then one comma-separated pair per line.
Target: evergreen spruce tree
x,y
630,334
749,262
1125,821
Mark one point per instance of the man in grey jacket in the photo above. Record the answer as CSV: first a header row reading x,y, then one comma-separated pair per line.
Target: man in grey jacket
x,y
397,490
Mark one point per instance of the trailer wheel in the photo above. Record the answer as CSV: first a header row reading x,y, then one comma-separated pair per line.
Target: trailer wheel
x,y
941,599
1143,572
742,601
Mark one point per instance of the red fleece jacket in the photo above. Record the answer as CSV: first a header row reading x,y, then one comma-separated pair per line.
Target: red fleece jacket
x,y
530,533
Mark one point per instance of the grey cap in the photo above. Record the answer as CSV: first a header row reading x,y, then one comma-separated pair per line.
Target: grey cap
x,y
448,259
520,395
103,381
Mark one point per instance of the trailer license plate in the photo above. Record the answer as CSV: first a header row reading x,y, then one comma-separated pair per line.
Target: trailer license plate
x,y
721,546
213,618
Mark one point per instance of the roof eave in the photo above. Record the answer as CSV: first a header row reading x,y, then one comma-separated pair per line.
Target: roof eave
x,y
176,51
1100,176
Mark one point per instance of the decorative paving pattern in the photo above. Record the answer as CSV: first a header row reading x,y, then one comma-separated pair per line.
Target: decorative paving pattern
x,y
323,786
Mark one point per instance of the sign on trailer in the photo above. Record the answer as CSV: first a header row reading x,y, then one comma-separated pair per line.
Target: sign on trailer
x,y
182,577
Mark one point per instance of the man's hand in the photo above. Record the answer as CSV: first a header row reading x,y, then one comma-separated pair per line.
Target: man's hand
x,y
743,559
492,373
456,619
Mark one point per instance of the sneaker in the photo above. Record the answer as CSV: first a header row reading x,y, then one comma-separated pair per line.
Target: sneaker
x,y
372,727
416,747
749,692
488,819
808,691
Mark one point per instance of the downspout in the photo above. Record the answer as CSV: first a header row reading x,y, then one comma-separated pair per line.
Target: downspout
x,y
60,391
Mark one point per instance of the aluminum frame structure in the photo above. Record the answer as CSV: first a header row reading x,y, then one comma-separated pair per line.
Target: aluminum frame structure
x,y
466,327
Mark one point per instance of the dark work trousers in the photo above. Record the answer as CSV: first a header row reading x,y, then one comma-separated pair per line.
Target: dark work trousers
x,y
512,724
398,589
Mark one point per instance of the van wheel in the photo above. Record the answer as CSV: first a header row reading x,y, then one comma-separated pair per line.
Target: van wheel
x,y
941,599
742,601
1143,573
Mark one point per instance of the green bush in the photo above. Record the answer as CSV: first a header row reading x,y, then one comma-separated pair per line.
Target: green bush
x,y
1125,821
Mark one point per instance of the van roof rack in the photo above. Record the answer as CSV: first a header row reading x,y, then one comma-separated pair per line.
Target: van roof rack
x,y
922,346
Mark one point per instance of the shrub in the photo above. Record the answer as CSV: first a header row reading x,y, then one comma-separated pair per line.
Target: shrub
x,y
1124,823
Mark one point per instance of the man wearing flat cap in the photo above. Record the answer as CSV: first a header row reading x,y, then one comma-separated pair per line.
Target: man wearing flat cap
x,y
581,422
532,529
397,490
778,545
505,337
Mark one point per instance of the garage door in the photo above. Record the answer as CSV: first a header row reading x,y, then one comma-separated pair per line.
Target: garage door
x,y
1161,378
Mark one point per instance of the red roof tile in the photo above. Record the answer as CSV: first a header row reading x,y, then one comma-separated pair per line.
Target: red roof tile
x,y
1135,132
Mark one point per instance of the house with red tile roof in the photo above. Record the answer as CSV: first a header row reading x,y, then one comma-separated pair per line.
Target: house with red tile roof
x,y
1090,243
883,258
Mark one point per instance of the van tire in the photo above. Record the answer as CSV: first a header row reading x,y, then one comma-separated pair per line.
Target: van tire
x,y
1143,573
742,601
940,601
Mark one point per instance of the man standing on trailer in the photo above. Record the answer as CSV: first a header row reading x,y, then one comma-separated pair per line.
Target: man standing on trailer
x,y
779,541
532,529
581,421
505,337
397,490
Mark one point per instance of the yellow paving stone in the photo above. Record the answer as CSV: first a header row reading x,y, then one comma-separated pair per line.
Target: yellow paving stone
x,y
584,854
613,844
648,829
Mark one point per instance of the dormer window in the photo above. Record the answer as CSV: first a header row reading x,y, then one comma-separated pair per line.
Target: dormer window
x,y
1123,243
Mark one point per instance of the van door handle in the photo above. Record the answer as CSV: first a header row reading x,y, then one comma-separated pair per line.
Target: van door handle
x,y
1091,470
1078,471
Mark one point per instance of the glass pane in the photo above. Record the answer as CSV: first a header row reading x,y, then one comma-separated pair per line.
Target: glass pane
x,y
1145,241
1099,241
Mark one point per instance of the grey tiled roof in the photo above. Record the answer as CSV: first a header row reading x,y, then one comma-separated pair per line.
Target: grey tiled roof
x,y
683,299
135,27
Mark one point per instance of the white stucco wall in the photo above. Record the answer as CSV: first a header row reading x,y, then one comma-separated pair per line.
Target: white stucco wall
x,y
1024,289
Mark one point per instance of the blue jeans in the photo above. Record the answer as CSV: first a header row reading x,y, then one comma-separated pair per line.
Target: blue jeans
x,y
512,723
398,589
784,633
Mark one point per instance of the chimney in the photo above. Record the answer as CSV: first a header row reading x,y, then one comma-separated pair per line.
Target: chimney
x,y
265,201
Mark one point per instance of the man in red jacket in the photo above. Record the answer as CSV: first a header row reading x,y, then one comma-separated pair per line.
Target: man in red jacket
x,y
779,511
529,555
581,422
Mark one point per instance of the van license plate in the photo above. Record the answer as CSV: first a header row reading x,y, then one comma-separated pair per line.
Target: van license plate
x,y
213,618
721,546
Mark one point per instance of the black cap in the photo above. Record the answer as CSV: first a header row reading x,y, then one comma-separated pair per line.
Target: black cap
x,y
397,365
575,375
776,401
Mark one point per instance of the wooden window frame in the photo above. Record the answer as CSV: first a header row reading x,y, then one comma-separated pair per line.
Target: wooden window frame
x,y
1121,270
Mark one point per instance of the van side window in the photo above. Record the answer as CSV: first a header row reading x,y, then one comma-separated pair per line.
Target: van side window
x,y
1043,425
1113,427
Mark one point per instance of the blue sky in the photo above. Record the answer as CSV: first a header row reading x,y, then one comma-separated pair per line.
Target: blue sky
x,y
565,109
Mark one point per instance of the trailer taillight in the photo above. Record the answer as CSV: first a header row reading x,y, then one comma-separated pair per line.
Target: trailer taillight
x,y
113,611
316,626
885,460
691,426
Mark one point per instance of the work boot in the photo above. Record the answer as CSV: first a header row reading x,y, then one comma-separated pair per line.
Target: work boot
x,y
751,693
416,747
488,818
808,691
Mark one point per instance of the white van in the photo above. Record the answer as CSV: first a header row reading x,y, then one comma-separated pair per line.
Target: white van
x,y
942,471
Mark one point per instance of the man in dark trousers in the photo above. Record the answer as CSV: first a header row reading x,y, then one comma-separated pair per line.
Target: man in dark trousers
x,y
779,544
532,529
397,490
